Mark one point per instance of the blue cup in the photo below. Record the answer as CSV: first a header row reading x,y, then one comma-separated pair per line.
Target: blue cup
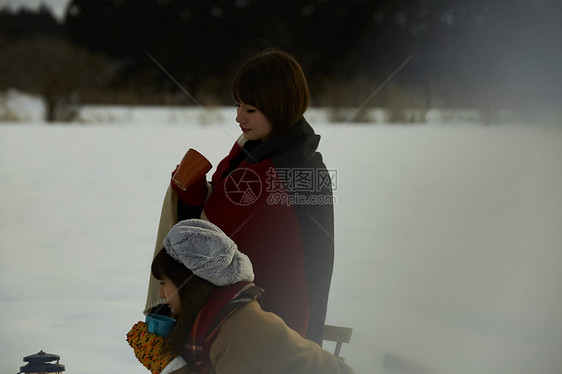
x,y
159,324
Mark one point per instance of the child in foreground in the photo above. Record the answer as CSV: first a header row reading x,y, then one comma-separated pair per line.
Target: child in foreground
x,y
220,328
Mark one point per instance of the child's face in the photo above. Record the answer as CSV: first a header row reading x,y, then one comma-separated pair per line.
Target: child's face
x,y
169,291
253,123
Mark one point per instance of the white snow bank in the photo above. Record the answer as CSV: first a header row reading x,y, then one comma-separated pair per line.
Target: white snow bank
x,y
16,106
458,225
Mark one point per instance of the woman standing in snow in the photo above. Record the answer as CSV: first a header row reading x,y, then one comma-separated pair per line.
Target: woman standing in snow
x,y
272,194
220,326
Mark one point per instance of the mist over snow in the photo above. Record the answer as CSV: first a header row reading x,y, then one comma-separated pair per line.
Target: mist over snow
x,y
448,240
57,7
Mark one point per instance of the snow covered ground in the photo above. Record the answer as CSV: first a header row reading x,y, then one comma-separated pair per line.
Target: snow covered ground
x,y
449,240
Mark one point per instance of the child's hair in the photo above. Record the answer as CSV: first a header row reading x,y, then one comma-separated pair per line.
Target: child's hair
x,y
192,295
273,82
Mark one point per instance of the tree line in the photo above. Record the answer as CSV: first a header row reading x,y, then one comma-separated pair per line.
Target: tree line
x,y
439,53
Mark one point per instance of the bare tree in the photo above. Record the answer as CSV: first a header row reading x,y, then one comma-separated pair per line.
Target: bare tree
x,y
54,69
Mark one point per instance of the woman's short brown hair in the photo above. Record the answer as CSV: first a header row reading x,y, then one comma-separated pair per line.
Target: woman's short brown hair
x,y
273,82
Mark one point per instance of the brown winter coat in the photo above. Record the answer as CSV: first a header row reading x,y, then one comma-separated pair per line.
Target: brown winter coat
x,y
255,341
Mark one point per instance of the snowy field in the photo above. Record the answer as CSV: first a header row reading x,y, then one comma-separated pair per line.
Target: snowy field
x,y
449,240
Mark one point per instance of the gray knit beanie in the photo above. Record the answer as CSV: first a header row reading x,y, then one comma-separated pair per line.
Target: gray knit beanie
x,y
208,252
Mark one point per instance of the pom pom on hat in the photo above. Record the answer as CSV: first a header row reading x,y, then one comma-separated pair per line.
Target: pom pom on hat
x,y
208,252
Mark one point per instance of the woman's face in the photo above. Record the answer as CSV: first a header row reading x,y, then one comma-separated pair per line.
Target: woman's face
x,y
169,291
253,123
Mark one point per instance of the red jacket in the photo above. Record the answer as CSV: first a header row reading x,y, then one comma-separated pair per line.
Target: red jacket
x,y
274,199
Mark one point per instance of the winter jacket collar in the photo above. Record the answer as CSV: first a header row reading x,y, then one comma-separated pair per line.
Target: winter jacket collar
x,y
222,303
299,141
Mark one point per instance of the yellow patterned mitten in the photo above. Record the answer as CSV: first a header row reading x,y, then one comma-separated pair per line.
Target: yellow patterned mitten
x,y
148,348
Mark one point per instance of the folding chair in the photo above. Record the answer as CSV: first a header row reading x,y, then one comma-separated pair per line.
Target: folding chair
x,y
339,335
